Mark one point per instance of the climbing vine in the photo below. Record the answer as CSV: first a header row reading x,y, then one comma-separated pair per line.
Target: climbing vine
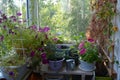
x,y
101,27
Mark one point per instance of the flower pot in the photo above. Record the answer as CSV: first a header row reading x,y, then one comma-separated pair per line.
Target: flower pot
x,y
85,66
56,65
70,64
44,67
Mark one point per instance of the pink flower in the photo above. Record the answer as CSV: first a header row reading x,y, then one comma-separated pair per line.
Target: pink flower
x,y
91,40
82,51
81,45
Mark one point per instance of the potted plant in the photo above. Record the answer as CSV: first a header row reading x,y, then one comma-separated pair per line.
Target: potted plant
x,y
55,58
88,54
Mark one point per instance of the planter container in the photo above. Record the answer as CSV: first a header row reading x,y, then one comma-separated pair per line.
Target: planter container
x,y
44,67
70,64
56,65
85,66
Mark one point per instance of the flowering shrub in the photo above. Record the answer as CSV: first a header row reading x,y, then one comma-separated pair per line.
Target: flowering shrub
x,y
88,51
8,26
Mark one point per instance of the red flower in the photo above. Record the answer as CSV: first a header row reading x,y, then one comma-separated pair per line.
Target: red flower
x,y
91,40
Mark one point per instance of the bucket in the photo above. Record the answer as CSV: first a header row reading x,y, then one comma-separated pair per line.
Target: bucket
x,y
70,64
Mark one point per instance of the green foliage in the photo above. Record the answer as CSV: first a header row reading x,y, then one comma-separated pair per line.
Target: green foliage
x,y
52,53
88,51
8,25
53,16
12,60
80,15
91,53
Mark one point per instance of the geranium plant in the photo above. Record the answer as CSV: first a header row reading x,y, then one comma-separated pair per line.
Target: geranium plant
x,y
88,51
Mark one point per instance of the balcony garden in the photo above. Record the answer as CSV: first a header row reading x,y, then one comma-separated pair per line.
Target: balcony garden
x,y
76,33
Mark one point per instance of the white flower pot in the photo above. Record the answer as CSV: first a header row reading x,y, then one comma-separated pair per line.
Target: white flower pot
x,y
85,66
44,67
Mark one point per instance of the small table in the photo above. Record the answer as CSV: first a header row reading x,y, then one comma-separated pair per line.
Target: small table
x,y
63,71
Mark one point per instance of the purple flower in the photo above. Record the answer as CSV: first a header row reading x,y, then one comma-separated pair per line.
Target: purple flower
x,y
91,40
12,17
34,27
11,73
81,45
1,38
1,20
10,31
19,21
14,20
82,51
18,14
32,54
40,29
55,39
41,49
46,29
4,16
43,55
45,61
4,27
